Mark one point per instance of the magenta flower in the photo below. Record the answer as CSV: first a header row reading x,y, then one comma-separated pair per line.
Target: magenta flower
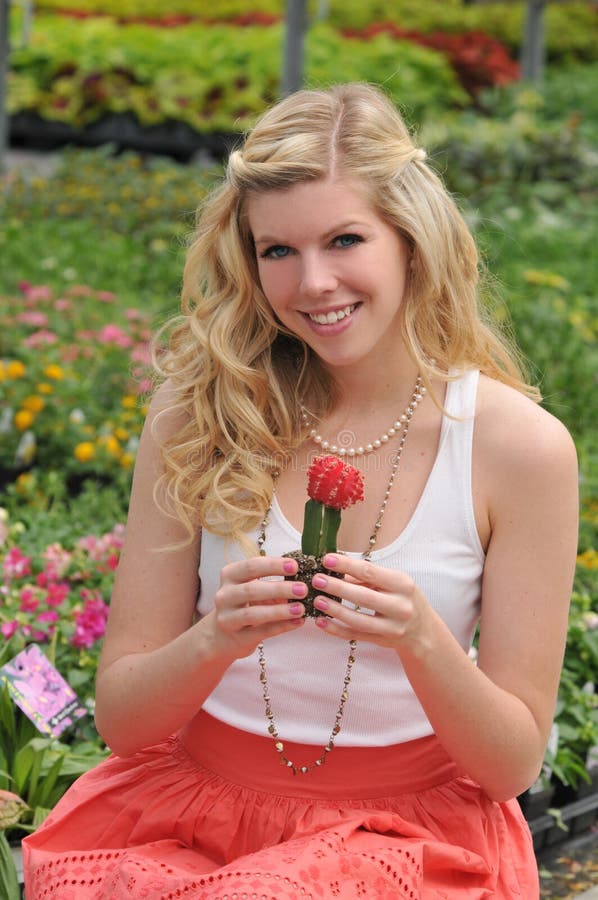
x,y
90,623
28,602
57,593
7,629
16,564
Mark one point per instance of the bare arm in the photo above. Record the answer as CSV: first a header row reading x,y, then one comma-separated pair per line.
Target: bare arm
x,y
493,718
156,667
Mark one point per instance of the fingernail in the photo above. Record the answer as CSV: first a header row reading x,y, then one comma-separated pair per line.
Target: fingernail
x,y
330,561
321,603
289,567
299,589
319,581
296,609
322,622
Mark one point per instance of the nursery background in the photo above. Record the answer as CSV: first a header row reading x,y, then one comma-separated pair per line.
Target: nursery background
x,y
131,109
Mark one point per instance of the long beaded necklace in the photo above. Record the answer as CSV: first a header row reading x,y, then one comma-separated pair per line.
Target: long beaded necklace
x,y
417,396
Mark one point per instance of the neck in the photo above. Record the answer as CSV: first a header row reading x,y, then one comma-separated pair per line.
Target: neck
x,y
383,385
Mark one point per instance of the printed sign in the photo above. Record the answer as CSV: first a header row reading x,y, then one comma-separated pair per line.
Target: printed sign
x,y
41,691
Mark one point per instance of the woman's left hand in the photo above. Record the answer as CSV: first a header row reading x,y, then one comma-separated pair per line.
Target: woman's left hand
x,y
392,610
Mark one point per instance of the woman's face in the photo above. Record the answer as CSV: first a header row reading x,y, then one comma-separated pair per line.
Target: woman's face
x,y
332,270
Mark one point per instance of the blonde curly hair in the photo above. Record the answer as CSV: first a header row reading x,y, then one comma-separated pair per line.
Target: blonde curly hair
x,y
239,377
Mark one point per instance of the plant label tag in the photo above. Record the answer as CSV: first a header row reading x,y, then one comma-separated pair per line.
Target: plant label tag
x,y
41,691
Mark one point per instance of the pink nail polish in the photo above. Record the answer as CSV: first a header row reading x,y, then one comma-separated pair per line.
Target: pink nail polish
x,y
330,561
296,609
289,567
321,604
299,589
319,581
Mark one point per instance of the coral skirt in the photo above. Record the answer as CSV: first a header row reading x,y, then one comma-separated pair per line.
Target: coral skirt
x,y
211,814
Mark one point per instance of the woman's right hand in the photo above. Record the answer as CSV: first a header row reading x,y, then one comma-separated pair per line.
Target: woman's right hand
x,y
252,602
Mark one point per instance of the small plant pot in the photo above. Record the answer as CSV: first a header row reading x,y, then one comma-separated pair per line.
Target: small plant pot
x,y
308,567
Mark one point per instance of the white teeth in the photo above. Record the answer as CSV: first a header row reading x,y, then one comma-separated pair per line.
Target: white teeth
x,y
332,317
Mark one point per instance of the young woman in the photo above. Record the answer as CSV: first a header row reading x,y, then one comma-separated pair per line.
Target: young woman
x,y
330,306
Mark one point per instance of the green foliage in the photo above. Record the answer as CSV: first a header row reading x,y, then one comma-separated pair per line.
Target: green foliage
x,y
570,28
37,769
216,78
9,883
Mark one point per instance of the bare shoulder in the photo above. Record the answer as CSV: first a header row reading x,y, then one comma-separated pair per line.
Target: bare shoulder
x,y
518,436
166,412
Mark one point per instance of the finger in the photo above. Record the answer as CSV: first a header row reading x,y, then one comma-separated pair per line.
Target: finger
x,y
258,616
367,573
259,592
354,592
257,567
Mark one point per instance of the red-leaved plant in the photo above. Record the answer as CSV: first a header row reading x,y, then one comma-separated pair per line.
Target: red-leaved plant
x,y
332,485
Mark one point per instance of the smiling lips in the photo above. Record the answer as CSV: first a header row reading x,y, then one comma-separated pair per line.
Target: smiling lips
x,y
332,317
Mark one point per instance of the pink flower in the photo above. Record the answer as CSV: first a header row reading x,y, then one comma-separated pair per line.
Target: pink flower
x,y
57,593
16,564
113,334
141,354
62,304
79,290
33,317
35,292
7,629
48,615
40,337
106,296
90,623
57,560
145,386
28,602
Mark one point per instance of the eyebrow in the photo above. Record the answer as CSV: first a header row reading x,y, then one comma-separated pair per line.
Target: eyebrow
x,y
338,229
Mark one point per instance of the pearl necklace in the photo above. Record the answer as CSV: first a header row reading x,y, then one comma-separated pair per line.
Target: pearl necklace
x,y
272,728
345,437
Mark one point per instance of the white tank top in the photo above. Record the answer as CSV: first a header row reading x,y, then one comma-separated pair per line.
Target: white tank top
x,y
439,548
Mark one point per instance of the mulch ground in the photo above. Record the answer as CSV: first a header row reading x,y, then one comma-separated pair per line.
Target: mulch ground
x,y
569,869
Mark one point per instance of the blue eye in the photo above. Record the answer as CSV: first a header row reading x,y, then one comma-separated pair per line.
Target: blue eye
x,y
275,252
347,240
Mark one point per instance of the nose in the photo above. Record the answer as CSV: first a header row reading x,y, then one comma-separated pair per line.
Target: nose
x,y
317,275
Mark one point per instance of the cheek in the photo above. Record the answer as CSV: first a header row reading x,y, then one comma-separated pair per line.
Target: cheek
x,y
276,284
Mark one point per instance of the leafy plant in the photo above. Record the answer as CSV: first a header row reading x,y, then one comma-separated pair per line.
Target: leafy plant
x,y
37,769
216,78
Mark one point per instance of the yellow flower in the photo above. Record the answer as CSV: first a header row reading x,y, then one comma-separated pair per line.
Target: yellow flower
x,y
111,444
546,279
15,369
129,401
588,559
25,483
84,451
34,403
23,419
126,460
122,434
54,372
44,388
